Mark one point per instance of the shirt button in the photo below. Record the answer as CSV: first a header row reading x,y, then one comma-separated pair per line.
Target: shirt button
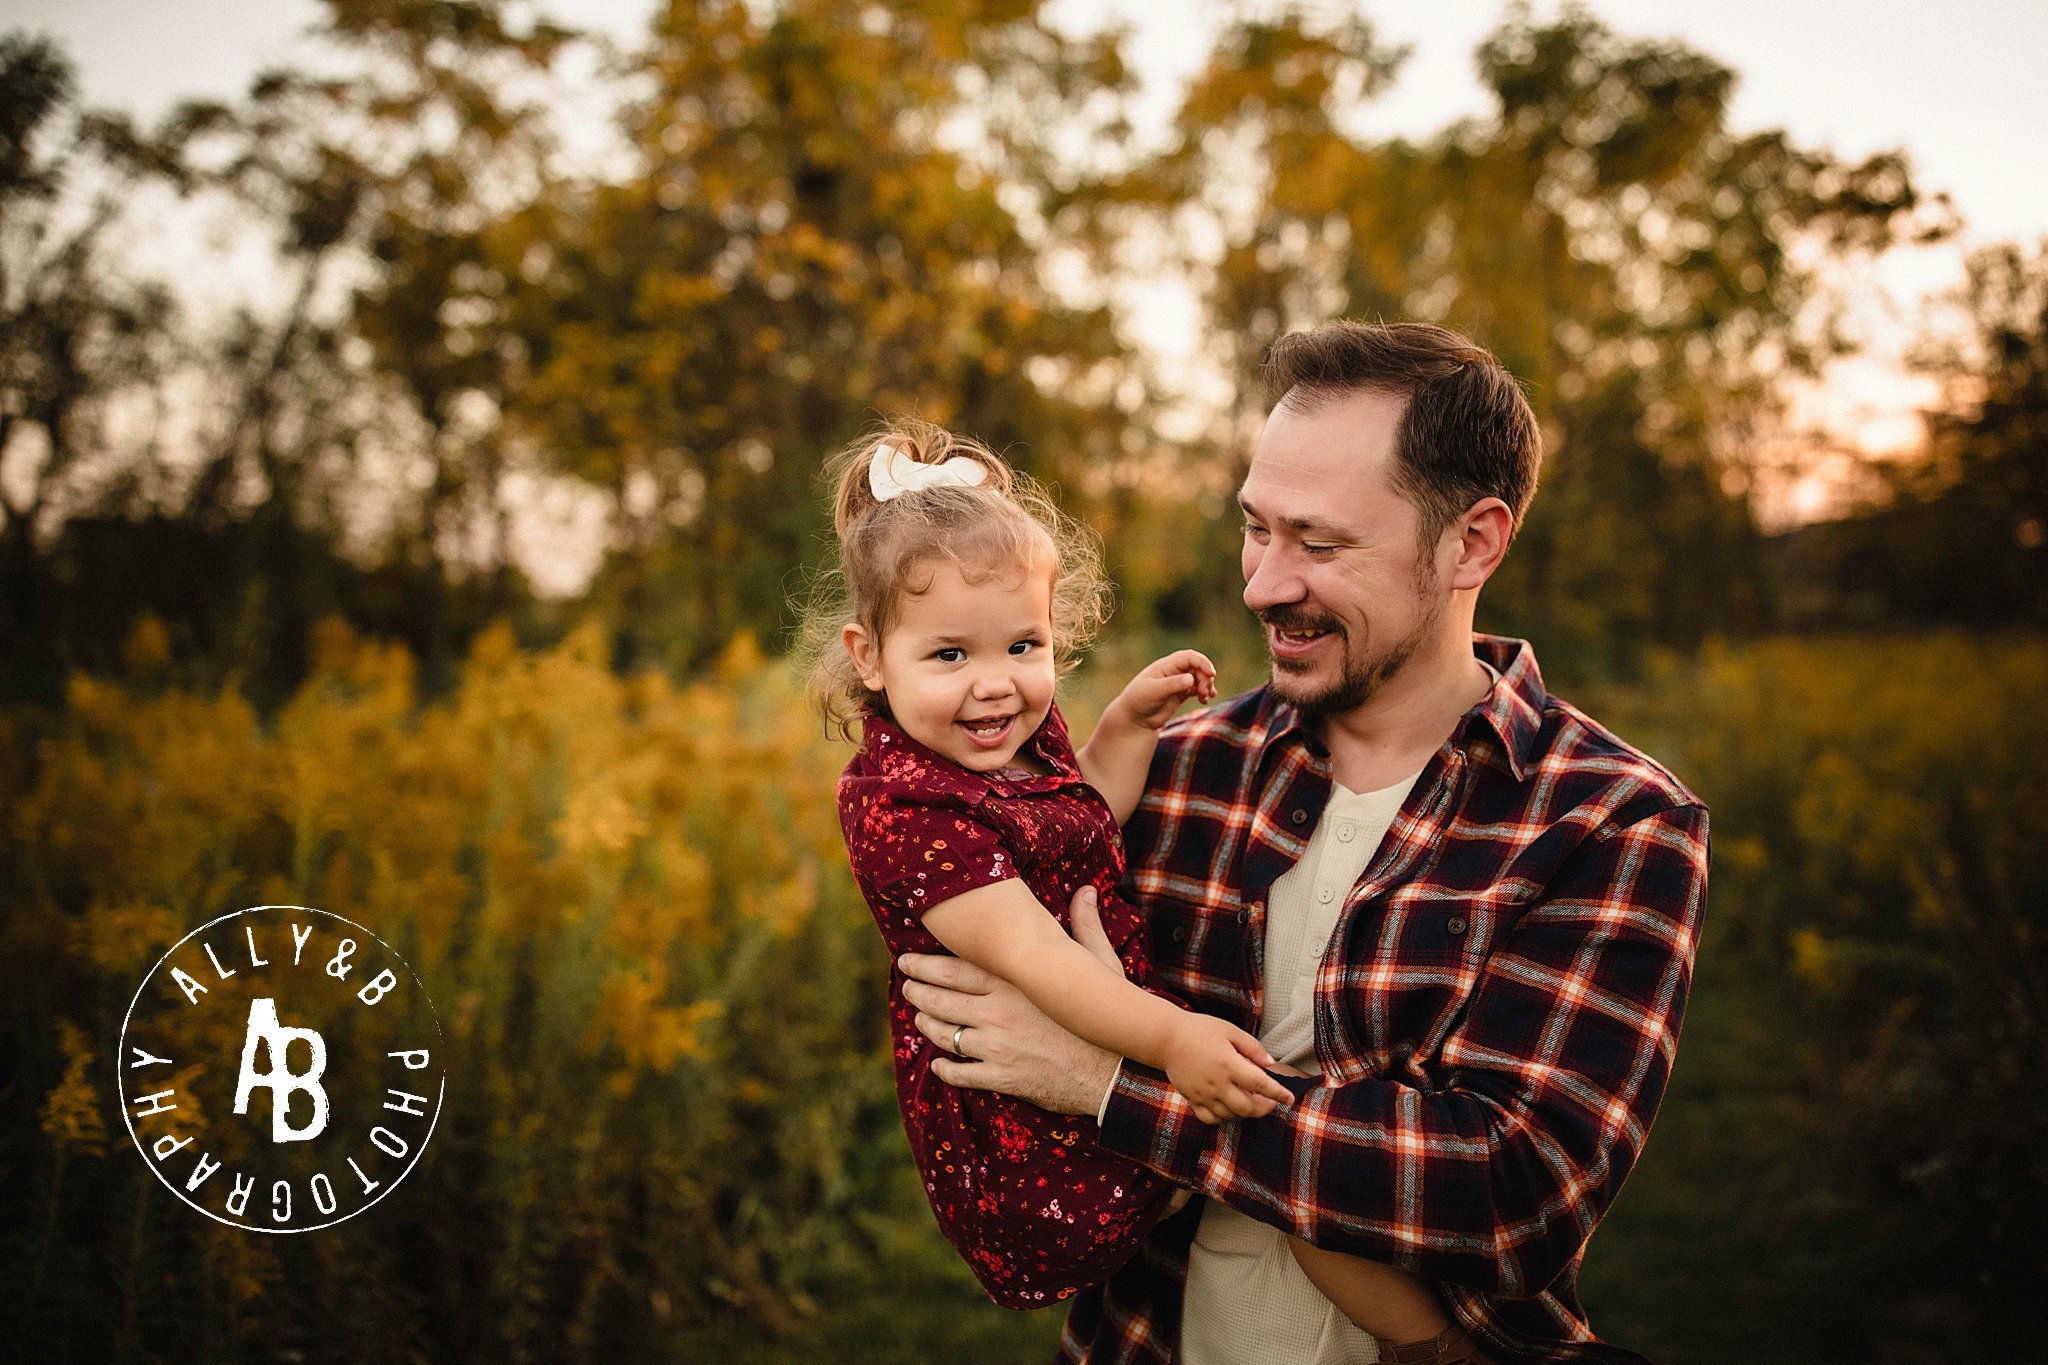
x,y
1455,925
1345,832
1180,933
1325,895
1300,816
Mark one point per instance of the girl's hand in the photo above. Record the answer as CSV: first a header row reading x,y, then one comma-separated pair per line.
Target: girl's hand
x,y
1219,1070
1154,695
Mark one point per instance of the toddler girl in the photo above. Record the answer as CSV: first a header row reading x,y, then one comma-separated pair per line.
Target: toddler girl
x,y
970,822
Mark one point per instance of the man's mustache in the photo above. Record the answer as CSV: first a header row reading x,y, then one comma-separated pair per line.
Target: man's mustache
x,y
1299,618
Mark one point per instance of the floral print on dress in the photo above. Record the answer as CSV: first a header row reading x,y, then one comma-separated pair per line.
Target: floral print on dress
x,y
1034,1205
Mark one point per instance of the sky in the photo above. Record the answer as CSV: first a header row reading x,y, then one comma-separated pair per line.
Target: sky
x,y
1957,85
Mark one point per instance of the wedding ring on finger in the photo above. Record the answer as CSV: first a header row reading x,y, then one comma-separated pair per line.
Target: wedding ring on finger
x,y
956,1041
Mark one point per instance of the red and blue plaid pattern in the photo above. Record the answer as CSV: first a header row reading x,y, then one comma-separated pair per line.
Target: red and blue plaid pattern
x,y
1497,1011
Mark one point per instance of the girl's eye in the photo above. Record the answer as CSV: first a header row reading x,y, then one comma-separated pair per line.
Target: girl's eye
x,y
951,654
1023,646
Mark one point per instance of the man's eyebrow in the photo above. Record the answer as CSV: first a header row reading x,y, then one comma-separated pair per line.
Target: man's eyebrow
x,y
1308,526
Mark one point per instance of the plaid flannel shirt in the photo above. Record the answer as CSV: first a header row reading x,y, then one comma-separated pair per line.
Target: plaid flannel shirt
x,y
1496,1013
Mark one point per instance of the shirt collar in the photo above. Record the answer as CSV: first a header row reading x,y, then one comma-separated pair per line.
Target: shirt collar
x,y
1512,711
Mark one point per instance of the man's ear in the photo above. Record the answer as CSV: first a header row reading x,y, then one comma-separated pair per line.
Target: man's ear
x,y
867,659
1483,534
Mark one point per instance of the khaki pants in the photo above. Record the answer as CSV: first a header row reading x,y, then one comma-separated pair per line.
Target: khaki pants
x,y
1452,1346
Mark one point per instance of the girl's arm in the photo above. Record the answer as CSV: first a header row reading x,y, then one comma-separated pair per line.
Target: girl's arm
x,y
1003,929
1119,754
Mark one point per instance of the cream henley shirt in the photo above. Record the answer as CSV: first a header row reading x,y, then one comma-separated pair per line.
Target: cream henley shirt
x,y
1247,1298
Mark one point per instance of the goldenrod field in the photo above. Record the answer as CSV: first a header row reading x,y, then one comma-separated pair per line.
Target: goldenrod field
x,y
669,1108
670,1130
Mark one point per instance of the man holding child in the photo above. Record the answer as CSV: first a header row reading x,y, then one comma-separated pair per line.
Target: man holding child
x,y
1460,909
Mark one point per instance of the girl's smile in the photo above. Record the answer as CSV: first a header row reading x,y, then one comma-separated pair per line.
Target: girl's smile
x,y
990,732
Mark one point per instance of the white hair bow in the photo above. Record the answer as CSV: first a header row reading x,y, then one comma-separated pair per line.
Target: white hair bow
x,y
892,473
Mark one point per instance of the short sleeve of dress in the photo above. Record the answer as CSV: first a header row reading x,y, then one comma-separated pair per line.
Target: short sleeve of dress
x,y
912,853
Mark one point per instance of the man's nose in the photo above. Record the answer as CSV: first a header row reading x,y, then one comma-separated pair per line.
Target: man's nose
x,y
1269,581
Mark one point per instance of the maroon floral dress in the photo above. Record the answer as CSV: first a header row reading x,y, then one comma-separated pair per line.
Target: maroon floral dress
x,y
1027,1197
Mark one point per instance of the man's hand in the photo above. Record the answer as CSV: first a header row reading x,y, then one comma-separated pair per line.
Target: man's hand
x,y
1015,1049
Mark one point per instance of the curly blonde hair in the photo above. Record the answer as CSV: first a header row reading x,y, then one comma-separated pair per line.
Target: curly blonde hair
x,y
1004,523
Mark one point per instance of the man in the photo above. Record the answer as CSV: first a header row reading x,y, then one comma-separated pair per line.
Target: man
x,y
1460,905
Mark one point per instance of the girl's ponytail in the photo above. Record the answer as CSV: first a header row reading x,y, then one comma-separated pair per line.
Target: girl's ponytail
x,y
919,441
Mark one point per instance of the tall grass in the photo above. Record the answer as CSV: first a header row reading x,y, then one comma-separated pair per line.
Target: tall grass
x,y
670,1130
669,1112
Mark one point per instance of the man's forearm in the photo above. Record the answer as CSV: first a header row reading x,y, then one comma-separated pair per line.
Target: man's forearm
x,y
1362,1193
1014,1047
1061,1073
1494,1181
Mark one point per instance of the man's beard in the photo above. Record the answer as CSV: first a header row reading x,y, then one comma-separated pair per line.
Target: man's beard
x,y
1360,677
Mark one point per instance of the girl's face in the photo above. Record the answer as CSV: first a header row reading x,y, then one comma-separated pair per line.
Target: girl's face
x,y
967,666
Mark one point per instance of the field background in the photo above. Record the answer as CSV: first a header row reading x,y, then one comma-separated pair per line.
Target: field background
x,y
449,587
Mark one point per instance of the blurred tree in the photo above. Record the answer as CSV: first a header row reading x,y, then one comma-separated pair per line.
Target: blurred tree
x,y
1961,536
832,215
1983,498
1650,274
817,212
237,526
75,334
387,175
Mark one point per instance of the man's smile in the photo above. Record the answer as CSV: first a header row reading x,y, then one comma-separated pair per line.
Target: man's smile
x,y
1294,635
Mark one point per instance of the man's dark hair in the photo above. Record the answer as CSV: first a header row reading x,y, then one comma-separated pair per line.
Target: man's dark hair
x,y
1467,433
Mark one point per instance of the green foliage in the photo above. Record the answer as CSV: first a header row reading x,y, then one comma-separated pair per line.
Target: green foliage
x,y
817,212
795,249
1846,1164
74,333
